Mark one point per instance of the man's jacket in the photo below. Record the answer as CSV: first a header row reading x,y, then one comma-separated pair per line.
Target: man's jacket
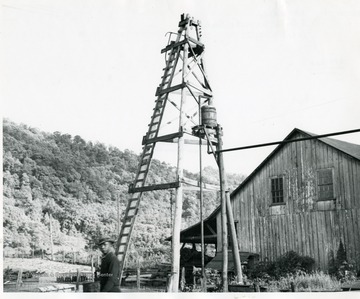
x,y
110,273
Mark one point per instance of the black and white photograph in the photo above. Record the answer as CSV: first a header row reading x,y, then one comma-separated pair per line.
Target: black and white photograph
x,y
158,148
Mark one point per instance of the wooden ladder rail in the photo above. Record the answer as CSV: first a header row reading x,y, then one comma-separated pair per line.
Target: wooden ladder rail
x,y
147,153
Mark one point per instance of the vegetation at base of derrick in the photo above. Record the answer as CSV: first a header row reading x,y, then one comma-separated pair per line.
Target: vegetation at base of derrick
x,y
77,186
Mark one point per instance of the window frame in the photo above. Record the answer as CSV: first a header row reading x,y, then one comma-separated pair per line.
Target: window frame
x,y
319,185
278,203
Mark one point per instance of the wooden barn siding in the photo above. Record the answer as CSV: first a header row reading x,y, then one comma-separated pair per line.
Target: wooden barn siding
x,y
302,227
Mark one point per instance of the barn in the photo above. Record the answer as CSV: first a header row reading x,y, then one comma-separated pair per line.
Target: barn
x,y
305,197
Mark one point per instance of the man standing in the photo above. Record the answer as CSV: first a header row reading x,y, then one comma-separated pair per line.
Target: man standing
x,y
109,270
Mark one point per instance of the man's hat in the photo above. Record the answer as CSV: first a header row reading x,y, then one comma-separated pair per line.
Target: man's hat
x,y
105,239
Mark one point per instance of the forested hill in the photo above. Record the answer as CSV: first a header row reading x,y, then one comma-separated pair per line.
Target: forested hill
x,y
81,187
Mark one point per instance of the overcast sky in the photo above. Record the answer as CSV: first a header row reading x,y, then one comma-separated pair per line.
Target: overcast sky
x,y
91,68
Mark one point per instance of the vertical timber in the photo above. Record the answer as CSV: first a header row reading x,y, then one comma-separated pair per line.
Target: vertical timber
x,y
224,231
175,275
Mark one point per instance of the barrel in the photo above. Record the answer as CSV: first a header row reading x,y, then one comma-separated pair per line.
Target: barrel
x,y
208,116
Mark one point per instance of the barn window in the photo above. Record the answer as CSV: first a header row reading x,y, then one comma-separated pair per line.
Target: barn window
x,y
277,190
326,185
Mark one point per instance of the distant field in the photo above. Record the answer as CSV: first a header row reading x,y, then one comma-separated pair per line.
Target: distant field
x,y
40,265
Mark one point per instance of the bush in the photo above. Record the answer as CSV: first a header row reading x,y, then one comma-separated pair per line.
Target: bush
x,y
289,263
339,267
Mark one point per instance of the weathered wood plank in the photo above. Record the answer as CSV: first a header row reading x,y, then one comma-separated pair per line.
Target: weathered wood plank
x,y
316,237
329,236
356,219
351,233
313,239
357,184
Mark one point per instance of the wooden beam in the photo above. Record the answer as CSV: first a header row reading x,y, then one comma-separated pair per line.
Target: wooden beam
x,y
154,187
164,138
194,188
196,42
170,89
211,229
173,45
205,91
197,238
197,184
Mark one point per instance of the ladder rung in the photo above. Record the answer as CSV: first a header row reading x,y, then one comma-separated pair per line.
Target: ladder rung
x,y
167,75
168,67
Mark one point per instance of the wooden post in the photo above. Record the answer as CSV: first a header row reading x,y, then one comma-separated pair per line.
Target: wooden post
x,y
182,282
234,240
224,233
138,276
118,228
229,213
174,283
203,274
92,268
77,278
19,279
51,238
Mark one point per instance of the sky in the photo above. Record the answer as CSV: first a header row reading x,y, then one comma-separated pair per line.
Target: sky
x,y
91,68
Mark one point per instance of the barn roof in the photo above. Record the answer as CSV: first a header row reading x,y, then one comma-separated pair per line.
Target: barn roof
x,y
348,148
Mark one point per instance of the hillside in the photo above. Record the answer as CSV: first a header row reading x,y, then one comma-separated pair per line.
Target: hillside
x,y
75,188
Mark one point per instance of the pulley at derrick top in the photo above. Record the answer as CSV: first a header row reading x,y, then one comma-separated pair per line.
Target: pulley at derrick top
x,y
208,116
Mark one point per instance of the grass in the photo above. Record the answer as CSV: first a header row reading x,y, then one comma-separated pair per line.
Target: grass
x,y
303,282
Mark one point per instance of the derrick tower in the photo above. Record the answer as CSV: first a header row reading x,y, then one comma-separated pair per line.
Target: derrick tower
x,y
183,114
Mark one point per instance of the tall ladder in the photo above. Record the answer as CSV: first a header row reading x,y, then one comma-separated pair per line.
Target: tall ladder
x,y
149,142
183,47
